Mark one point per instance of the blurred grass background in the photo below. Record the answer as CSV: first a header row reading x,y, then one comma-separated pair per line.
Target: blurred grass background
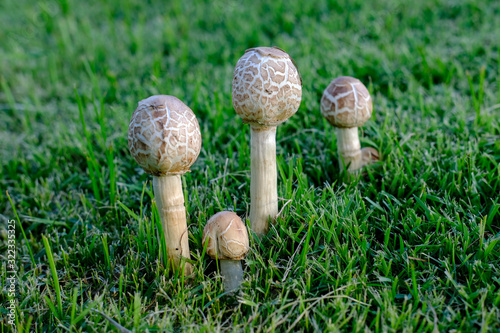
x,y
412,246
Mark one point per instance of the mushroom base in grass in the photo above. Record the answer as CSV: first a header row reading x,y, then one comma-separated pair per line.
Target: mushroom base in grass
x,y
352,157
232,273
349,149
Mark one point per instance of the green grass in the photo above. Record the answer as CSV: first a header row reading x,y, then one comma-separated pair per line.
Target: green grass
x,y
414,245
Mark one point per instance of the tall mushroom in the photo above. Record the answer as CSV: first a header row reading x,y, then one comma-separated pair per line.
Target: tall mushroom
x,y
267,90
227,239
165,140
346,104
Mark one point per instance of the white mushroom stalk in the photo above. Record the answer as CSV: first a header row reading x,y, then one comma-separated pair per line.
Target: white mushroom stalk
x,y
263,178
266,91
349,148
227,239
165,139
347,105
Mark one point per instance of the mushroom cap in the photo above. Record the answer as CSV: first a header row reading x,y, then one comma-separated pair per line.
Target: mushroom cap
x,y
164,136
267,88
346,103
227,237
369,155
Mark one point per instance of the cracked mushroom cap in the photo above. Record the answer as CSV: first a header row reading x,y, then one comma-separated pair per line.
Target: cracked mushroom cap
x,y
227,237
164,136
267,88
369,155
346,103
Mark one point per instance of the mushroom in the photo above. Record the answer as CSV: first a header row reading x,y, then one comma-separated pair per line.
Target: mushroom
x,y
346,104
227,239
266,91
165,140
369,155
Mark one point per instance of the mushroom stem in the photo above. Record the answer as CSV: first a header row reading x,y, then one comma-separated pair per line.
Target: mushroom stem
x,y
264,183
170,203
232,274
349,149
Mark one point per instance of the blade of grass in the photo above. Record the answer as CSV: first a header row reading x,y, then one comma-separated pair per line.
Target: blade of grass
x,y
22,230
137,310
73,305
55,278
106,251
305,247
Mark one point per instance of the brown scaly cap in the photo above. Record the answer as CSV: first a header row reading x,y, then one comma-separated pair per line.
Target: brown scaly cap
x,y
267,88
346,103
227,237
164,136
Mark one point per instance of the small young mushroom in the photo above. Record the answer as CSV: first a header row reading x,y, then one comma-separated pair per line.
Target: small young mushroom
x,y
369,155
266,91
346,104
165,140
227,239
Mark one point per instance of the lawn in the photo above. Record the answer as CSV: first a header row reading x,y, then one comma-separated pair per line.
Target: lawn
x,y
412,245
